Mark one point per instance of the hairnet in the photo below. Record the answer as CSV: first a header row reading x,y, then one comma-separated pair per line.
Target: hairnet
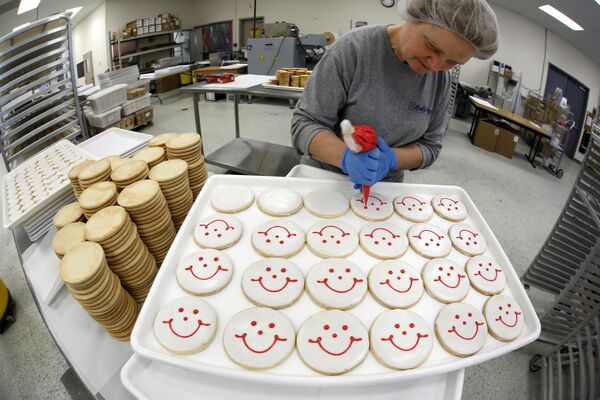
x,y
473,20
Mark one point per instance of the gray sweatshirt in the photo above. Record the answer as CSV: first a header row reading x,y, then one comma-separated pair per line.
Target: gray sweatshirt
x,y
360,78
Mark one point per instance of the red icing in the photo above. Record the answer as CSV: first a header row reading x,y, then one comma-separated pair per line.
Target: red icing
x,y
473,234
410,197
319,339
439,279
170,323
320,233
381,202
477,325
275,340
489,280
227,226
428,230
516,320
391,340
387,282
356,280
289,234
446,198
287,281
394,236
364,135
191,269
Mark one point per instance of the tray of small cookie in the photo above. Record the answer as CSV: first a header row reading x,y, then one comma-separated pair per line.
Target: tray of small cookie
x,y
296,281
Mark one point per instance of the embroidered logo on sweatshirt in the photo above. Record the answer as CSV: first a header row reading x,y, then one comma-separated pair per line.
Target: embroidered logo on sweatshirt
x,y
413,106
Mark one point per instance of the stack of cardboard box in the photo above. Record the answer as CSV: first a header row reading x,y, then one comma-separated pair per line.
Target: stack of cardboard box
x,y
142,26
496,138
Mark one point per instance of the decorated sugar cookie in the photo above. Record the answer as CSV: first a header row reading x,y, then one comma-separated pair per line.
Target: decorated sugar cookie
x,y
395,284
445,280
413,208
504,317
333,342
429,241
204,272
280,202
232,199
332,239
449,207
461,329
326,203
218,231
273,282
401,339
486,275
259,338
185,325
383,240
336,283
378,207
467,239
278,238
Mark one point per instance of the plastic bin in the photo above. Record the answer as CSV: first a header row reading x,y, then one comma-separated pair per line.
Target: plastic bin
x,y
102,120
108,98
131,106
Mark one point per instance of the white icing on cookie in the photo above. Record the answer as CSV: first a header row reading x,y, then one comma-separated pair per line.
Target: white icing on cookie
x,y
332,239
231,199
280,202
395,284
273,282
413,208
185,325
326,203
504,317
445,280
259,338
401,339
486,275
449,207
429,241
467,239
383,240
333,342
278,238
461,329
336,283
218,231
378,207
204,272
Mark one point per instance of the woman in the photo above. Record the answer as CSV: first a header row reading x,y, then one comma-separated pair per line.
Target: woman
x,y
394,78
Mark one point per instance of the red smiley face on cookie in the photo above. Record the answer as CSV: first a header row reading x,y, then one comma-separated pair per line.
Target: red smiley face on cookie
x,y
336,283
461,329
278,238
445,280
429,240
332,239
218,231
273,282
376,208
383,240
413,208
504,317
467,239
204,272
486,275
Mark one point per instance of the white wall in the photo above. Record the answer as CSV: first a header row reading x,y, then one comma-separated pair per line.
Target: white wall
x,y
90,35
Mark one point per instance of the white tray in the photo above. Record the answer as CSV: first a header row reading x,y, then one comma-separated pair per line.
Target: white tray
x,y
214,360
288,88
115,142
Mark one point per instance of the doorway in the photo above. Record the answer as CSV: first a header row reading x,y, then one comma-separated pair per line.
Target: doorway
x,y
246,26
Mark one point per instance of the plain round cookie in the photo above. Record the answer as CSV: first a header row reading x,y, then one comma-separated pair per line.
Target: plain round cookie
x,y
232,199
278,238
279,202
467,239
332,342
378,207
429,241
504,317
395,284
185,325
449,207
336,283
413,208
461,329
486,276
326,203
383,240
401,339
332,238
68,214
218,231
445,280
204,272
259,338
273,282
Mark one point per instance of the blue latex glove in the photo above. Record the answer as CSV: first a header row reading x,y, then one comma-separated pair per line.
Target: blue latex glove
x,y
361,167
387,160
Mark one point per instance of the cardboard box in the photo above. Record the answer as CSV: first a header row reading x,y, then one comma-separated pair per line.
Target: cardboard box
x,y
146,21
145,30
506,143
134,93
167,83
151,28
139,23
158,28
144,116
127,122
486,135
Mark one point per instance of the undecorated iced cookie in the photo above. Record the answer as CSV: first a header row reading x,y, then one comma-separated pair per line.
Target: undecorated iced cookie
x,y
378,207
429,241
401,339
218,231
395,284
504,317
445,280
467,239
413,208
204,272
278,238
449,207
185,325
232,199
273,282
326,203
461,329
336,283
279,202
486,275
259,338
383,240
332,239
332,342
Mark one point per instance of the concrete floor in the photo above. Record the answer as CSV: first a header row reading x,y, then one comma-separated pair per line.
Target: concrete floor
x,y
519,203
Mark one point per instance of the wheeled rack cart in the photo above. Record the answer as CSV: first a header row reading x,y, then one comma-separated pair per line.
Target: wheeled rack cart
x,y
560,135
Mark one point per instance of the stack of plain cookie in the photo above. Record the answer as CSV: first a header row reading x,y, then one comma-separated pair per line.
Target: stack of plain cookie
x,y
97,171
128,173
172,176
68,214
186,146
98,196
73,176
152,155
68,237
161,140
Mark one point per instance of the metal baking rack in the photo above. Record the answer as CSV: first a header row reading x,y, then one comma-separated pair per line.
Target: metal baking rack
x,y
38,89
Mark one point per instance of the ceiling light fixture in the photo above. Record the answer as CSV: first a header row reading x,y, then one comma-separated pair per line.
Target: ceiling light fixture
x,y
27,5
73,11
553,12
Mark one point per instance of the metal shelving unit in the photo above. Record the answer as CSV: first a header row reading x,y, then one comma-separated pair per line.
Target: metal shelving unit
x,y
455,73
117,57
38,89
